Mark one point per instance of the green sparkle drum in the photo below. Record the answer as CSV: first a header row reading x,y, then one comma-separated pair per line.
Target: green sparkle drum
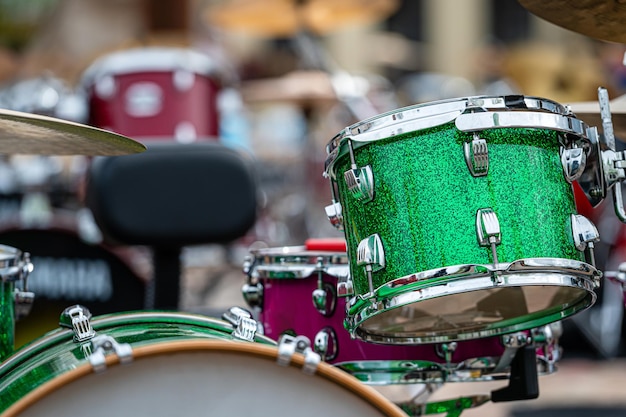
x,y
460,220
160,364
15,299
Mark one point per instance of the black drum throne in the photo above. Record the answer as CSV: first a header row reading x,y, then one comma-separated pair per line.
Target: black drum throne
x,y
169,197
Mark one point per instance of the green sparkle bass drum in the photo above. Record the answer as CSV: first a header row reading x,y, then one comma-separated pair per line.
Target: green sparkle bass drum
x,y
15,299
460,219
163,364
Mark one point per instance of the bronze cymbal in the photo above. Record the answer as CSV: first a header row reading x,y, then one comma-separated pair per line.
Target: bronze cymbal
x,y
599,19
287,17
297,87
589,112
26,133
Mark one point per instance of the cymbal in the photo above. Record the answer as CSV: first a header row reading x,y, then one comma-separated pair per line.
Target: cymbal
x,y
297,87
26,133
599,19
589,112
286,17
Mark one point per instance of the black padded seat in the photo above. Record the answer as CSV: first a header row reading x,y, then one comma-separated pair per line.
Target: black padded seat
x,y
170,196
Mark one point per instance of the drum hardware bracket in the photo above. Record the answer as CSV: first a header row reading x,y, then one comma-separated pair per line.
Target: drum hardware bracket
x,y
523,380
22,298
476,156
585,234
324,299
78,318
104,344
489,234
360,181
335,215
371,254
289,345
511,342
245,326
325,344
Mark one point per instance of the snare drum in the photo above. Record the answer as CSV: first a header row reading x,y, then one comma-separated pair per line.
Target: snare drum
x,y
294,289
15,300
460,220
155,93
164,364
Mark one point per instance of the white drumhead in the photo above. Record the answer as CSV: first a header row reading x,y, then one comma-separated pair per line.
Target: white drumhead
x,y
225,379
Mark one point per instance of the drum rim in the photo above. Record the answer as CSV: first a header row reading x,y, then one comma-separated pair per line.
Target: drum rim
x,y
114,320
323,370
391,123
375,305
151,60
391,372
296,262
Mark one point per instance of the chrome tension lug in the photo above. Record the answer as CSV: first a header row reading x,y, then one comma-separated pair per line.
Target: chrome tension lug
x,y
245,327
325,344
574,161
371,255
585,234
23,302
489,235
324,296
476,156
78,318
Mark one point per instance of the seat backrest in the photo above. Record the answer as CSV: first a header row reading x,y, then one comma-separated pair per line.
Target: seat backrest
x,y
173,195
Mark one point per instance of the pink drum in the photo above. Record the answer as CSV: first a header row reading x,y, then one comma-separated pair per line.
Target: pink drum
x,y
155,93
293,290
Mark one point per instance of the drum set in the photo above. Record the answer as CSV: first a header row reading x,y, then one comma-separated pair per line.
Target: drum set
x,y
462,252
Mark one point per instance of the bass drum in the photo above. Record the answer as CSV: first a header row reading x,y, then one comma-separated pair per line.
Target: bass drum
x,y
174,364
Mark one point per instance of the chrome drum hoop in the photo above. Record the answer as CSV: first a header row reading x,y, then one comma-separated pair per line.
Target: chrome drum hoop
x,y
535,112
296,262
468,278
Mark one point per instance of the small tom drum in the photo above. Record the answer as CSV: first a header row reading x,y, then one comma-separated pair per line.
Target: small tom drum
x,y
298,290
460,220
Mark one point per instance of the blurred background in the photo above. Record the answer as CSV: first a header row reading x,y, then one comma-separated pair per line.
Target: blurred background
x,y
284,77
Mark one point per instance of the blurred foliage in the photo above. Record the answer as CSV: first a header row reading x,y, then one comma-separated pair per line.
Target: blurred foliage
x,y
19,20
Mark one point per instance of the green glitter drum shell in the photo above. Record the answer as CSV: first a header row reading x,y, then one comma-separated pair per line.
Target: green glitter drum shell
x,y
7,315
425,200
56,354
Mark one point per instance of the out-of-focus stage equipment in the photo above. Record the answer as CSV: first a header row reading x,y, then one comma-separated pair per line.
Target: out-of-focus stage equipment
x,y
589,112
152,363
600,19
303,87
70,269
171,196
280,18
16,300
302,290
25,133
446,233
155,93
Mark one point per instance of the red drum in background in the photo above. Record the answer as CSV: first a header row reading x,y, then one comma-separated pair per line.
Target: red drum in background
x,y
298,290
155,93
